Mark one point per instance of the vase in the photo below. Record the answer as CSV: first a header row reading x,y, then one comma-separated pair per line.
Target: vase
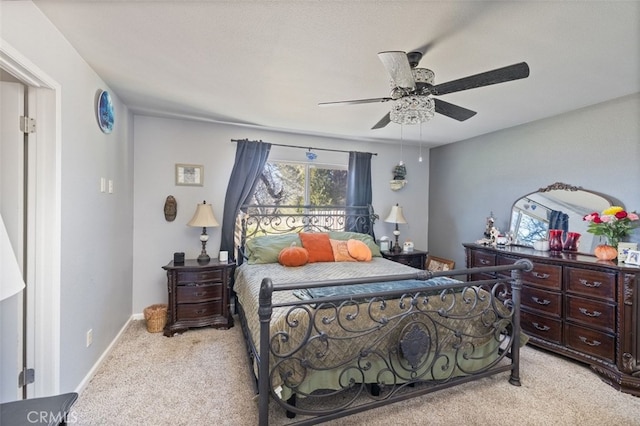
x,y
571,242
555,239
605,252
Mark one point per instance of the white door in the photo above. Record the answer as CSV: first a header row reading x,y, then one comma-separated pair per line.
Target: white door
x,y
29,203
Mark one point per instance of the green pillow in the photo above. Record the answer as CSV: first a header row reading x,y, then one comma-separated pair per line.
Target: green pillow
x,y
365,238
266,248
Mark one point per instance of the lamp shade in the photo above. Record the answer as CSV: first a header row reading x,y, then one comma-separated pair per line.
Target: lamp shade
x,y
11,281
396,216
203,217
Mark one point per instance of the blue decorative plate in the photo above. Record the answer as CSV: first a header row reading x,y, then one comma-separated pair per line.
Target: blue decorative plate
x,y
105,112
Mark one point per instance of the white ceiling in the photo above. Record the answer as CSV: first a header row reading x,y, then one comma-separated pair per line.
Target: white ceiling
x,y
269,63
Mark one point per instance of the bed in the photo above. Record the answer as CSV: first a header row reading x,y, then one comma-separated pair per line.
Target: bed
x,y
328,339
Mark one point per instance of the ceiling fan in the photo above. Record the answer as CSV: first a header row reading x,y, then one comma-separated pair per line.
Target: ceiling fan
x,y
413,89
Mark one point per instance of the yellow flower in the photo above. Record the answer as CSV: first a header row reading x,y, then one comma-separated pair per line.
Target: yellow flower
x,y
612,210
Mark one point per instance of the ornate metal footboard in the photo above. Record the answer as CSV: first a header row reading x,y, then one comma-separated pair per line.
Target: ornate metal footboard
x,y
392,345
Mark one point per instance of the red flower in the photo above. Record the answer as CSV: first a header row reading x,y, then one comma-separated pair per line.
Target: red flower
x,y
621,215
597,219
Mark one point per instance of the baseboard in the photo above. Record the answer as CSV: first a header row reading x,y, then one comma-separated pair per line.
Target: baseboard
x,y
85,382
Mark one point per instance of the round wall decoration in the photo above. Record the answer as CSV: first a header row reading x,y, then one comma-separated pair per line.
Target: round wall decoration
x,y
105,112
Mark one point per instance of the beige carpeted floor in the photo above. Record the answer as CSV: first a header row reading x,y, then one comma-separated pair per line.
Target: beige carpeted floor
x,y
201,378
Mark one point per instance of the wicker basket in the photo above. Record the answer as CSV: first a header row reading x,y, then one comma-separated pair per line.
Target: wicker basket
x,y
156,317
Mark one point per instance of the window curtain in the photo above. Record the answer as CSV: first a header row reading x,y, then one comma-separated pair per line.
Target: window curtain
x,y
558,220
359,191
251,157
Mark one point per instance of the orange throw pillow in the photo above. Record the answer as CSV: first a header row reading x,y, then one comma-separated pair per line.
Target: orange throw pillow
x,y
293,256
318,246
340,251
359,250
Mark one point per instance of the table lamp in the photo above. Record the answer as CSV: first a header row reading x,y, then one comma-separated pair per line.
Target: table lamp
x,y
396,216
203,217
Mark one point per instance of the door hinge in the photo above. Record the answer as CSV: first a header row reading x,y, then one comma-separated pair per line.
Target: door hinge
x,y
26,377
27,124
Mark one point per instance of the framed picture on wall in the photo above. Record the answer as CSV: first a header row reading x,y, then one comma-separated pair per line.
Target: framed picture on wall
x,y
189,174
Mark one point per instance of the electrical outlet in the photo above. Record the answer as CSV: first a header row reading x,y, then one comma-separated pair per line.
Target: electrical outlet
x,y
89,337
110,186
103,184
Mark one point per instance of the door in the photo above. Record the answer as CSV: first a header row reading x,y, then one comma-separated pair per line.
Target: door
x,y
30,197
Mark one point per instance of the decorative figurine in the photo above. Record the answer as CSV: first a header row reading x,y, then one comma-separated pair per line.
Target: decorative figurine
x,y
170,208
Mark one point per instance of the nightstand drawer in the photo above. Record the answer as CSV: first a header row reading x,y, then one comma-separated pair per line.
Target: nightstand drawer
x,y
198,310
199,293
199,276
591,283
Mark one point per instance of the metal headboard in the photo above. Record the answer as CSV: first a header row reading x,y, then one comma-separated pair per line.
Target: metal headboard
x,y
257,220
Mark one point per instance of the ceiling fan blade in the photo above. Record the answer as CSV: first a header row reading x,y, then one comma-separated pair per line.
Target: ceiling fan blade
x,y
355,102
398,67
383,122
454,111
500,75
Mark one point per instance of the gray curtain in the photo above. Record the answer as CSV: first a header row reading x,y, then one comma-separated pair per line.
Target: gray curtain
x,y
251,157
558,220
359,191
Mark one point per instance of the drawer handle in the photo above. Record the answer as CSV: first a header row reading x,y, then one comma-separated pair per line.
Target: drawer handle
x,y
590,314
540,302
539,275
485,262
541,328
201,311
588,284
200,293
590,343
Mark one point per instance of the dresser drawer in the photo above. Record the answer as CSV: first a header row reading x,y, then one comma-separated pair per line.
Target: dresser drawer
x,y
591,313
588,341
199,276
591,283
549,276
542,300
199,293
481,258
198,310
415,262
545,328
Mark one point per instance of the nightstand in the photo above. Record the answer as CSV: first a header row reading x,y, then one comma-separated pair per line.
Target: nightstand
x,y
415,258
198,295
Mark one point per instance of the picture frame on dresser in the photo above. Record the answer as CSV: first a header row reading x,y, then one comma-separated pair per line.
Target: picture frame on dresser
x,y
633,257
189,174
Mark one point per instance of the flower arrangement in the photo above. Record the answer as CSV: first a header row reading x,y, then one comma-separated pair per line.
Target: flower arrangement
x,y
614,223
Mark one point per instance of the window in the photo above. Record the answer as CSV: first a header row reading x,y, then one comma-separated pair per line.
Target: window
x,y
298,184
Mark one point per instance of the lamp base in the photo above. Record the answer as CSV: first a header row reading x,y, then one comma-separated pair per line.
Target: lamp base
x,y
203,258
396,248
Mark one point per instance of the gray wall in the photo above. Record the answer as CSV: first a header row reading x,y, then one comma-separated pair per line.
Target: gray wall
x,y
597,148
96,258
160,143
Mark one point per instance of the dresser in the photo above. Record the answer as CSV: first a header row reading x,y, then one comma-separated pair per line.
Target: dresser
x,y
415,258
198,295
579,307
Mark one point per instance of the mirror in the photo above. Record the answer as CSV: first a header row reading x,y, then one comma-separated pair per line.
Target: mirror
x,y
558,206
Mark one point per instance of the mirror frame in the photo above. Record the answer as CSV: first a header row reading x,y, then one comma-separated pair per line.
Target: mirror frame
x,y
557,186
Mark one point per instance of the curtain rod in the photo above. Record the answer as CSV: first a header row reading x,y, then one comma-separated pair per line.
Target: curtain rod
x,y
303,147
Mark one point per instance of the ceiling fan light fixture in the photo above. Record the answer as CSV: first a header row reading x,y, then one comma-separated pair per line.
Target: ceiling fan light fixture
x,y
414,109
